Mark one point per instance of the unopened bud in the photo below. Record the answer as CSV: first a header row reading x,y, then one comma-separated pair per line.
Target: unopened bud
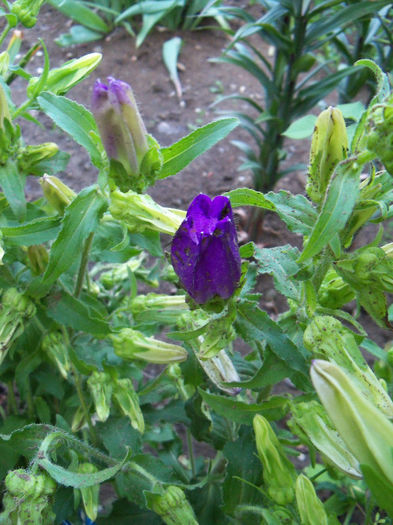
x,y
366,431
310,507
131,344
55,347
328,147
29,156
140,213
101,388
26,11
56,193
172,506
278,471
4,109
128,402
38,258
90,495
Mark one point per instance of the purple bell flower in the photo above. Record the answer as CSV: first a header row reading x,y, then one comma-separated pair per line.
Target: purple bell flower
x,y
205,251
122,130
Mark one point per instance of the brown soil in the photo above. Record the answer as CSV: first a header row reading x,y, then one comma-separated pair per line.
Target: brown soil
x,y
167,118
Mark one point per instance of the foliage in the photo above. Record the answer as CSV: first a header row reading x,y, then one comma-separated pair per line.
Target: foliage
x,y
96,396
296,77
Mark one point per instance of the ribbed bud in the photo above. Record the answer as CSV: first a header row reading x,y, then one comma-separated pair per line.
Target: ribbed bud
x,y
278,471
54,345
26,11
56,193
310,507
132,344
172,506
328,147
128,401
101,388
29,156
37,258
140,213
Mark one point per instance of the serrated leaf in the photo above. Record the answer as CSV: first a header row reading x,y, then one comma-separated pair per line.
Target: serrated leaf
x,y
81,218
280,262
75,120
338,205
180,154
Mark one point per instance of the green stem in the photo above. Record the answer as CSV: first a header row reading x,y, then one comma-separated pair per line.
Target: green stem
x,y
5,32
83,265
23,62
79,390
191,452
26,104
12,406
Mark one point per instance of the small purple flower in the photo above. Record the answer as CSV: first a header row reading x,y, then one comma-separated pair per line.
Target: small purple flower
x,y
205,251
122,130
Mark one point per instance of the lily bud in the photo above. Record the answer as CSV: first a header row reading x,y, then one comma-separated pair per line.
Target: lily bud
x,y
278,471
128,402
140,213
172,506
56,193
205,252
90,495
16,310
310,507
131,344
38,258
157,301
54,346
26,11
101,388
28,498
327,338
365,430
329,146
122,129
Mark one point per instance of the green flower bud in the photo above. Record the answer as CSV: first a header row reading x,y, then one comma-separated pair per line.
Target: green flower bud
x,y
172,506
311,422
56,193
28,498
54,345
128,402
328,147
38,258
62,79
328,339
101,388
90,495
157,301
334,292
4,65
120,272
4,109
26,11
218,336
16,310
379,132
29,156
366,431
131,344
278,471
310,507
140,213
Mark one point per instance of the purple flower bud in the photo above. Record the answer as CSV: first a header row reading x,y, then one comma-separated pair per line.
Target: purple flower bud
x,y
121,126
205,252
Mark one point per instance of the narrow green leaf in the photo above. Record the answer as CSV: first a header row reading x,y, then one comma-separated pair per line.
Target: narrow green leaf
x,y
239,411
78,35
79,12
301,128
81,217
34,232
13,183
75,120
337,208
180,154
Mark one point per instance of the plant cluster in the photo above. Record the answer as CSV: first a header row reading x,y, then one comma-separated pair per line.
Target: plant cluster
x,y
116,361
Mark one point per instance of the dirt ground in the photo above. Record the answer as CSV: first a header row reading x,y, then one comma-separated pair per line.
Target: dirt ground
x,y
168,118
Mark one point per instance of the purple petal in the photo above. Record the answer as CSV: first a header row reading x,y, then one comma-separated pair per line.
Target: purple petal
x,y
100,95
